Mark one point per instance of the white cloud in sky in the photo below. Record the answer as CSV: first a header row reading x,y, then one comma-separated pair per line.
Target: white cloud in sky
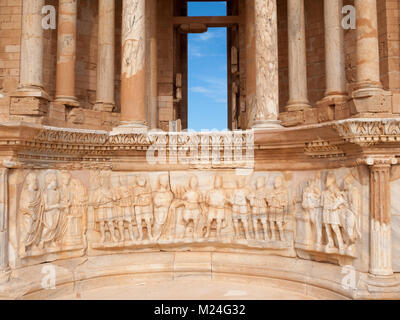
x,y
212,87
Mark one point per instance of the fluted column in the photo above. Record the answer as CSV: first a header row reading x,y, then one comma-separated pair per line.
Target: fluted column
x,y
298,91
266,62
334,49
105,60
31,68
380,228
66,52
369,95
133,78
4,267
153,83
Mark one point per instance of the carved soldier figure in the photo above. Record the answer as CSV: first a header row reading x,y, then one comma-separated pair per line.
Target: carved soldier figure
x,y
240,207
125,204
351,214
117,211
192,212
103,204
162,199
66,200
258,203
143,206
333,201
52,211
278,201
76,220
32,209
312,205
215,201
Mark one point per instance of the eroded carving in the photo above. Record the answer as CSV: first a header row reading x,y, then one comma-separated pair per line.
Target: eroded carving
x,y
51,213
331,216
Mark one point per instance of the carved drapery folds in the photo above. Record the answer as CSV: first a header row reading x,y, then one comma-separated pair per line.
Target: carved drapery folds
x,y
67,212
329,217
129,212
52,213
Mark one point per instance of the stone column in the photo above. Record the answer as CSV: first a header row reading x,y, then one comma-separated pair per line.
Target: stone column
x,y
266,62
31,98
298,92
66,52
334,49
106,60
380,228
4,267
369,95
31,73
153,83
133,77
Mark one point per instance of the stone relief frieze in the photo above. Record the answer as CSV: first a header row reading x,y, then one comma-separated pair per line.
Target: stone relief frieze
x,y
139,210
129,211
329,218
52,213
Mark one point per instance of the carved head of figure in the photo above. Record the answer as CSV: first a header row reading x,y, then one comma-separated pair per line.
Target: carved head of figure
x,y
51,181
115,182
331,184
193,182
123,180
278,183
141,181
260,183
240,182
131,180
218,182
65,178
32,182
163,181
348,182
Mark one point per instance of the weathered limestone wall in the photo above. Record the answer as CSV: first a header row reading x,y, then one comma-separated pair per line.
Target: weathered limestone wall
x,y
10,33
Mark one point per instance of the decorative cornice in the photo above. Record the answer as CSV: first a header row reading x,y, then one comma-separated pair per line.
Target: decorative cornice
x,y
368,132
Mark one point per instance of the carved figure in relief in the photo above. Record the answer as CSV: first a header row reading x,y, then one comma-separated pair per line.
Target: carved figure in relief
x,y
278,202
126,217
192,212
162,199
143,207
312,205
215,202
103,204
350,218
76,219
32,210
333,201
66,200
117,209
259,206
240,207
53,209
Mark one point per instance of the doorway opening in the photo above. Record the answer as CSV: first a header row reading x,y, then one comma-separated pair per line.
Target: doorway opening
x,y
206,64
207,71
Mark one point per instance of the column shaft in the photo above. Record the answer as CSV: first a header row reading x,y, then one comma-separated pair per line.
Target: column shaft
x,y
266,63
369,96
133,78
4,267
298,91
106,59
380,238
153,90
31,68
368,73
66,52
334,49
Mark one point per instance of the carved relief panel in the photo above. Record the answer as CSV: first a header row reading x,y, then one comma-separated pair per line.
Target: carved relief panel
x,y
50,214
